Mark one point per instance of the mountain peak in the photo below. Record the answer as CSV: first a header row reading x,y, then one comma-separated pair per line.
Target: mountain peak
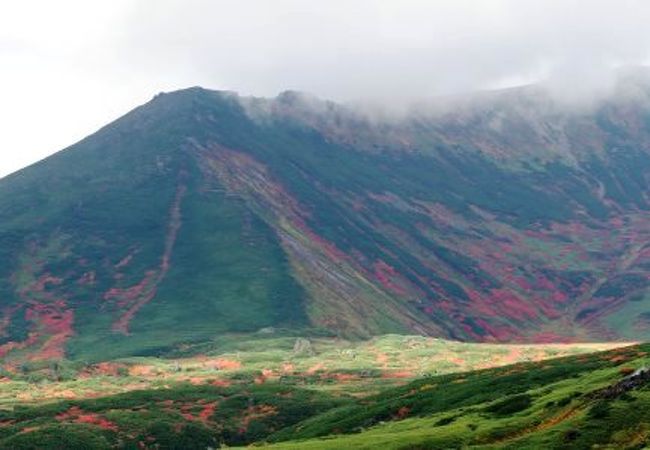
x,y
191,217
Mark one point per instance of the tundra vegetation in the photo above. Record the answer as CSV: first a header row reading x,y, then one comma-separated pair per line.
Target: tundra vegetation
x,y
392,391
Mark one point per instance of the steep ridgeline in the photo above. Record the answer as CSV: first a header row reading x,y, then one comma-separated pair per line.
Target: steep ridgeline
x,y
504,218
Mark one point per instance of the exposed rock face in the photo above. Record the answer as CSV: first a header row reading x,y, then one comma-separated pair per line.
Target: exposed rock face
x,y
302,347
635,380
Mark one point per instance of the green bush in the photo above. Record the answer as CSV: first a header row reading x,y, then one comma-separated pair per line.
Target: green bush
x,y
600,410
58,437
510,405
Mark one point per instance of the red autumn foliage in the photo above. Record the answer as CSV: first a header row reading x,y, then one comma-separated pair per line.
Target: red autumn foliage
x,y
386,275
625,371
402,413
139,295
76,415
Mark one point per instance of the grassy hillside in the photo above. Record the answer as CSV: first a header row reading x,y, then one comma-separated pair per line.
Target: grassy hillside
x,y
184,417
571,402
574,402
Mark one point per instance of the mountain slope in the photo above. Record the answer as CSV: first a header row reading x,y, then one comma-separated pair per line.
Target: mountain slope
x,y
505,218
96,234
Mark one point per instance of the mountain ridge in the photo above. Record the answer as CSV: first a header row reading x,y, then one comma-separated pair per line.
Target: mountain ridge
x,y
202,212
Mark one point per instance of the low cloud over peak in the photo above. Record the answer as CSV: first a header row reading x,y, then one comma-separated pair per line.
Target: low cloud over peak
x,y
391,50
85,65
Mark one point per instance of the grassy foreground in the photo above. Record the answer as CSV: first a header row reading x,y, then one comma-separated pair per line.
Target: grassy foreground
x,y
400,392
587,401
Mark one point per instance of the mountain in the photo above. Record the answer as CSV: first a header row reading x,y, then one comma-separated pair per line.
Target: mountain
x,y
507,216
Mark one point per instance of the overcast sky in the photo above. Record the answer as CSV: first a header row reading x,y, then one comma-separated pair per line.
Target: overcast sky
x,y
68,67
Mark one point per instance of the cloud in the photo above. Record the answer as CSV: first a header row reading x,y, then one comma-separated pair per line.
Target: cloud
x,y
386,49
71,66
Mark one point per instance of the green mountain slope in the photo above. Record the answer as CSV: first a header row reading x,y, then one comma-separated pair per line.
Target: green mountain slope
x,y
576,402
95,233
505,218
599,399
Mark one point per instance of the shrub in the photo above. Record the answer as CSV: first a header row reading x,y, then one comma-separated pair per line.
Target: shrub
x,y
571,435
625,371
445,421
600,410
510,405
57,437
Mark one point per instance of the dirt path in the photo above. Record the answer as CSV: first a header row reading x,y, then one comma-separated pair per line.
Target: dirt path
x,y
544,425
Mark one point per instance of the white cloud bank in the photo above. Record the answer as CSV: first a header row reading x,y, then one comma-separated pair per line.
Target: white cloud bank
x,y
70,66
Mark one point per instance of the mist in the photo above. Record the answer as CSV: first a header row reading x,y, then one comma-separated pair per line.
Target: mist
x,y
68,69
390,51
